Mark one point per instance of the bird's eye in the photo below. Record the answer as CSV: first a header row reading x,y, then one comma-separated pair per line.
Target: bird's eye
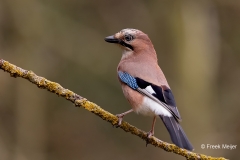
x,y
128,37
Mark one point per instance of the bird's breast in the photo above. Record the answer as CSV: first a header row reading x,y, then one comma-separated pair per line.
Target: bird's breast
x,y
134,98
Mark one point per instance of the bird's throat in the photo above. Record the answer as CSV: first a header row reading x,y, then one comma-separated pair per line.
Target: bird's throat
x,y
126,53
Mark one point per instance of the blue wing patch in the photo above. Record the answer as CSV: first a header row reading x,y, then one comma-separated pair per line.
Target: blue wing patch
x,y
128,79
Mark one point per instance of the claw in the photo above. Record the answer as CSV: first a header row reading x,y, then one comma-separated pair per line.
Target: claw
x,y
120,118
149,134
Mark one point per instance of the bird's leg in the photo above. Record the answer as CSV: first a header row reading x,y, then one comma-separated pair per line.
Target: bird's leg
x,y
120,117
151,132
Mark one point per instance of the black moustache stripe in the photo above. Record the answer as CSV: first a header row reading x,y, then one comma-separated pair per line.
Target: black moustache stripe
x,y
126,45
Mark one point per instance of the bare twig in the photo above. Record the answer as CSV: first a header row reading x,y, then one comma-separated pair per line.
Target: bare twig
x,y
79,101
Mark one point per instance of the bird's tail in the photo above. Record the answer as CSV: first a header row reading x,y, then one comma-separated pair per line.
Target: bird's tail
x,y
176,132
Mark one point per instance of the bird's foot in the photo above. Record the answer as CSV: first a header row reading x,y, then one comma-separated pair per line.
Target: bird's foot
x,y
120,118
149,134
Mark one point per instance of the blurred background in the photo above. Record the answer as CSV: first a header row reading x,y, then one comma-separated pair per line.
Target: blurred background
x,y
198,46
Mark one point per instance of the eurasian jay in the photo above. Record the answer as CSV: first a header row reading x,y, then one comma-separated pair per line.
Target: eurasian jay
x,y
144,84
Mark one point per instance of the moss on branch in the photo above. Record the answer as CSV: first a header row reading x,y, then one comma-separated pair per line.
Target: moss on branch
x,y
79,101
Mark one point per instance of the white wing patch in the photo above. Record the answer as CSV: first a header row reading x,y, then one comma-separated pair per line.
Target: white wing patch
x,y
150,90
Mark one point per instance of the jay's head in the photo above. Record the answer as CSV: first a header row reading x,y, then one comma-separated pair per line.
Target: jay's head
x,y
131,40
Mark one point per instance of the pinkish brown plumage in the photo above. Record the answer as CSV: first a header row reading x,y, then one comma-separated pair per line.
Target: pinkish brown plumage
x,y
144,84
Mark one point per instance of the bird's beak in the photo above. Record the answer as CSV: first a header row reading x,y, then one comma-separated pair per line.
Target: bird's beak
x,y
111,39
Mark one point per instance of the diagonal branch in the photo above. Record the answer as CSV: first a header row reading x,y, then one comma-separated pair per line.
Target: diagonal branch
x,y
79,101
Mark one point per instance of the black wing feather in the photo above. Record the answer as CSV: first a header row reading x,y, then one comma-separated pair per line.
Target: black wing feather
x,y
168,96
141,83
159,93
158,90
